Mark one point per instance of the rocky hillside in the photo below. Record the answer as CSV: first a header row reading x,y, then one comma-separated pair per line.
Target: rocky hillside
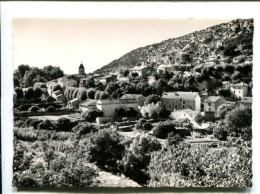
x,y
224,40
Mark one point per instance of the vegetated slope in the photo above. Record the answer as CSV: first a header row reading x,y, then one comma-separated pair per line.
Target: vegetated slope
x,y
236,37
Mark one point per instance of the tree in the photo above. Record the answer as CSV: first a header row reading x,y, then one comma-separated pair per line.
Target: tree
x,y
199,118
91,93
90,82
126,72
19,92
135,74
152,99
37,92
137,157
223,109
50,99
92,114
57,87
162,129
160,86
238,119
29,93
163,112
224,92
106,149
34,109
104,95
150,110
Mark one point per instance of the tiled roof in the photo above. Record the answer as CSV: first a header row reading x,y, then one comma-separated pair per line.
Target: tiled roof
x,y
131,96
212,99
183,95
247,100
117,101
88,102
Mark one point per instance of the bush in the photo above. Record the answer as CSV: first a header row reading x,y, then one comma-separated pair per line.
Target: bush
x,y
25,135
84,128
34,109
50,99
139,124
64,124
150,110
24,107
162,129
106,149
92,114
46,124
147,126
35,123
199,118
173,138
137,158
50,109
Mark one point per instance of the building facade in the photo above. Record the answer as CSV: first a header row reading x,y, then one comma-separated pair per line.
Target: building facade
x,y
240,90
212,103
181,100
110,107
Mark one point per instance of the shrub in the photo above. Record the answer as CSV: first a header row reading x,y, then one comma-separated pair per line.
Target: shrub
x,y
163,112
106,149
50,109
84,128
139,124
25,135
137,158
92,114
162,129
34,109
147,126
50,99
64,124
24,107
199,118
173,138
35,123
150,110
46,124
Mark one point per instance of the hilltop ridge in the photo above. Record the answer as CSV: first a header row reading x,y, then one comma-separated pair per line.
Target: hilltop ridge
x,y
224,40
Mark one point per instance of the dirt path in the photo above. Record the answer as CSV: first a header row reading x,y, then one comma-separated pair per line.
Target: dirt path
x,y
107,179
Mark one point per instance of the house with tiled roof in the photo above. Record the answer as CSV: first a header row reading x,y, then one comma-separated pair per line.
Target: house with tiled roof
x,y
140,70
240,90
181,100
109,107
211,105
87,105
139,98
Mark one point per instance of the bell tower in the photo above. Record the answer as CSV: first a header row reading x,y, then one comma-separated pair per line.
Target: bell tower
x,y
81,69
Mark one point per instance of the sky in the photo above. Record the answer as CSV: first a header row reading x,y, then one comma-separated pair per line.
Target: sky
x,y
95,42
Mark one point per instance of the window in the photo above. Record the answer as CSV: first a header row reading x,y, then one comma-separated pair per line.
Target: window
x,y
191,107
170,106
176,106
183,102
191,101
183,106
209,104
176,101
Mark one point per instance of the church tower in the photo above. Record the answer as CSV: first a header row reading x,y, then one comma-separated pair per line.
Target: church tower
x,y
81,69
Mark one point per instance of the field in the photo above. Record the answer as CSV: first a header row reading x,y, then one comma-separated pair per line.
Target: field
x,y
84,156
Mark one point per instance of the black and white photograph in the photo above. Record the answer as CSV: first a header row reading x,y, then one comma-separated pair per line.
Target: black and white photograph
x,y
132,102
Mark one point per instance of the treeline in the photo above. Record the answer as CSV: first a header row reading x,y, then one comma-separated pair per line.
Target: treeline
x,y
25,76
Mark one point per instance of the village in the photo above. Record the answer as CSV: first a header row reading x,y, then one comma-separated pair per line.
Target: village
x,y
193,91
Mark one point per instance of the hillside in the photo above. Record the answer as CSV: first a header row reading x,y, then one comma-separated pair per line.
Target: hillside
x,y
224,40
